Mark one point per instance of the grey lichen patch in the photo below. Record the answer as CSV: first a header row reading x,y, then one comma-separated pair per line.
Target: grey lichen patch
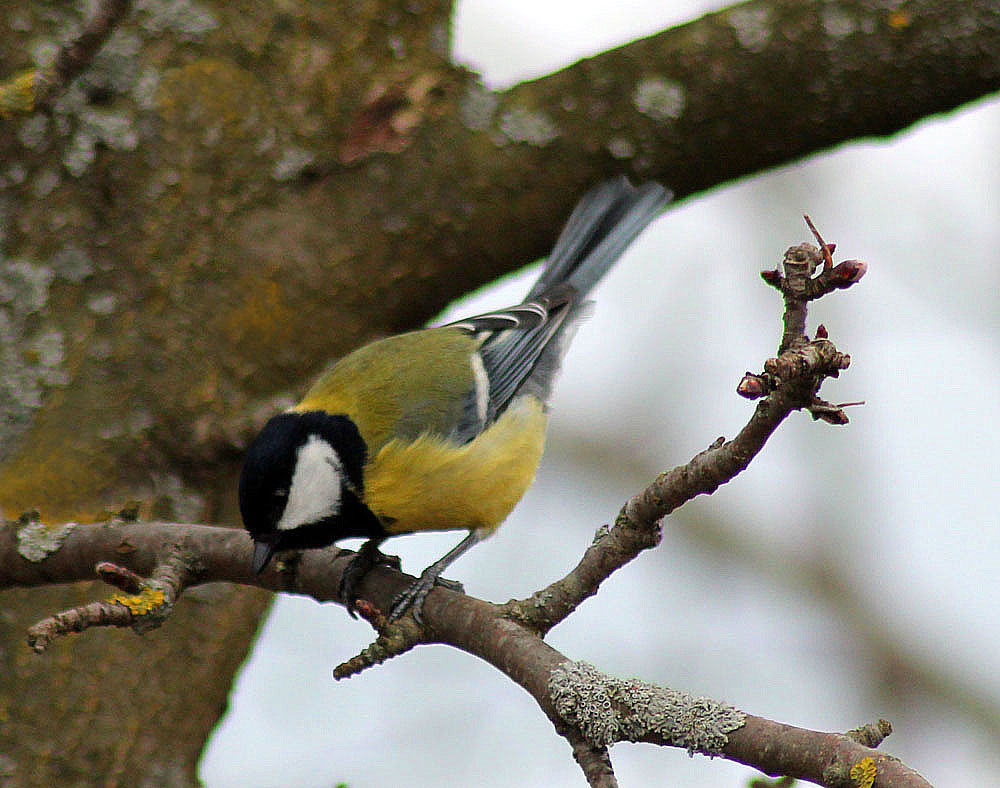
x,y
620,148
15,173
477,108
45,183
183,17
102,303
752,27
608,710
837,22
293,162
32,356
49,352
44,52
134,424
116,130
79,155
36,541
72,264
25,286
524,125
660,98
115,68
144,91
33,132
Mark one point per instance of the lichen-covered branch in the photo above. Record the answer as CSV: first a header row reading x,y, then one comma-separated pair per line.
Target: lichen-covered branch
x,y
142,605
77,619
599,709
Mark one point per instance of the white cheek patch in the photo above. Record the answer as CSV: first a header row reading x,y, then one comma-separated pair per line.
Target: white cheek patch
x,y
314,493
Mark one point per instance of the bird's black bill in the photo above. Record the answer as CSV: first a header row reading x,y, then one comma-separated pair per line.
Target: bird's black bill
x,y
262,552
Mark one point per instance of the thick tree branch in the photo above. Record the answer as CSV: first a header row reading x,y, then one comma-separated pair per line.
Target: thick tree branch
x,y
747,88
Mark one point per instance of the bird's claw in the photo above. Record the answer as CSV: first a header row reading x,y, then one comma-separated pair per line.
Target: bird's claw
x,y
364,560
412,598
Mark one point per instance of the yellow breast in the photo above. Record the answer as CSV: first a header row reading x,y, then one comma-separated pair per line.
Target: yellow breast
x,y
433,484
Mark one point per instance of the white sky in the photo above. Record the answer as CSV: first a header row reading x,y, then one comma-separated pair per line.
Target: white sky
x,y
904,500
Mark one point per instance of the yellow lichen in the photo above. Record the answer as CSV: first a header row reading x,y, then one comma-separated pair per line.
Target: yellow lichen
x,y
17,94
863,773
212,92
899,20
68,479
260,313
146,601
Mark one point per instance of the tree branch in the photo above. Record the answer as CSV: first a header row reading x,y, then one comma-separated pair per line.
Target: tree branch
x,y
594,762
144,605
475,626
790,382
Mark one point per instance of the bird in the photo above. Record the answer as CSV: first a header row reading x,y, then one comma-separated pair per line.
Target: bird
x,y
436,429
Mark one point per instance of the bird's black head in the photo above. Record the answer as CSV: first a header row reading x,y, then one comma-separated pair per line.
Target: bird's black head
x,y
302,484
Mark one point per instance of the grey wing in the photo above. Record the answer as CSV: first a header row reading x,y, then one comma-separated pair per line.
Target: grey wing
x,y
514,356
521,347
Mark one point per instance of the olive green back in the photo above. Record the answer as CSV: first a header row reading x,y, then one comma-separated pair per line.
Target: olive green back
x,y
402,386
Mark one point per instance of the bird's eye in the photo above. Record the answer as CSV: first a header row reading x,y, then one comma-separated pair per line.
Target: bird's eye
x,y
280,493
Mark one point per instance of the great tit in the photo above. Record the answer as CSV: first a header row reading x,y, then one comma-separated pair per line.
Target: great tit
x,y
437,429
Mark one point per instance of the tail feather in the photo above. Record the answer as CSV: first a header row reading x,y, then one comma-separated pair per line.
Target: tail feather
x,y
522,346
605,221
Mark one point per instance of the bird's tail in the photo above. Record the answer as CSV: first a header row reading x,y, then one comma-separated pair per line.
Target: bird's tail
x,y
605,221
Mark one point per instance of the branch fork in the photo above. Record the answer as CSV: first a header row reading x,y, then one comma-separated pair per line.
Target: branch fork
x,y
806,273
143,604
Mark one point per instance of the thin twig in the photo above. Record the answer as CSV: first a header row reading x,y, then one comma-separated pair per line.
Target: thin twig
x,y
33,90
789,382
594,762
77,619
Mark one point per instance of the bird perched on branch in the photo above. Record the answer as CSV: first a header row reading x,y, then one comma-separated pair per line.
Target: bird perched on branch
x,y
437,429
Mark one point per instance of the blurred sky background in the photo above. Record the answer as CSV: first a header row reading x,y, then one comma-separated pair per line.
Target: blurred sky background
x,y
902,505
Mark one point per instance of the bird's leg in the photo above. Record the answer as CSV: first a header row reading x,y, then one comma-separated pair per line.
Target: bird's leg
x,y
365,559
413,597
